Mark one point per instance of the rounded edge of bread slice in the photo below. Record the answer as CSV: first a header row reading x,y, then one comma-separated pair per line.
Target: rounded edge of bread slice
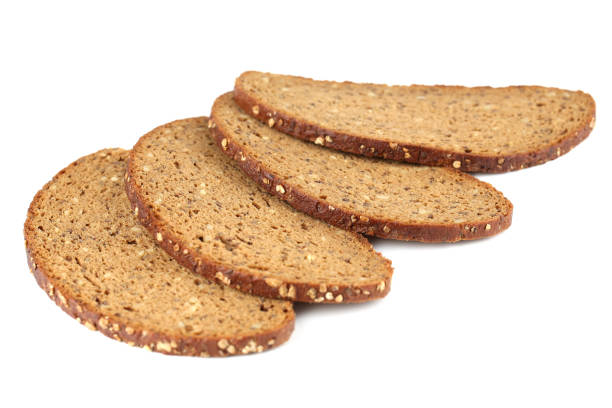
x,y
131,331
338,292
276,184
304,129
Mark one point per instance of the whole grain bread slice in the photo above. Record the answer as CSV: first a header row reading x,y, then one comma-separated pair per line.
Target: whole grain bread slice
x,y
204,212
377,197
479,129
91,256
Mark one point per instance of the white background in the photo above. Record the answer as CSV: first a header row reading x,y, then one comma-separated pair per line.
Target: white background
x,y
521,319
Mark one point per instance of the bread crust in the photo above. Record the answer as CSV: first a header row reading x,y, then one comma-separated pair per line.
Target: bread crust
x,y
350,220
139,336
410,153
241,279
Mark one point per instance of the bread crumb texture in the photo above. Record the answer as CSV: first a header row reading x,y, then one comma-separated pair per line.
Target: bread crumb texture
x,y
93,258
237,233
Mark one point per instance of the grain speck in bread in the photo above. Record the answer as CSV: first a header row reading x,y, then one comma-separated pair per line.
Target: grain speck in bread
x,y
480,129
217,222
91,256
377,197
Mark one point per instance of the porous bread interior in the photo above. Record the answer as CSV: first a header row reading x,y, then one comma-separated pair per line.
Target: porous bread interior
x,y
83,234
479,120
409,194
210,206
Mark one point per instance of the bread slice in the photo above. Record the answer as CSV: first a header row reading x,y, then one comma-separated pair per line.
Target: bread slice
x,y
372,196
91,256
204,212
479,129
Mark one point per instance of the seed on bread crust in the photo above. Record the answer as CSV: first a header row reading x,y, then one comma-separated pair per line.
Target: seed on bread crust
x,y
311,293
223,278
275,283
103,322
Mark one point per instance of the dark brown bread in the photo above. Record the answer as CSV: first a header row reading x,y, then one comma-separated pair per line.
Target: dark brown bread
x,y
90,255
478,129
204,212
372,196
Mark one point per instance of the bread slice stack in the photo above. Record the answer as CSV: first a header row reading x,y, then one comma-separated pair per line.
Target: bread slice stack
x,y
197,240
